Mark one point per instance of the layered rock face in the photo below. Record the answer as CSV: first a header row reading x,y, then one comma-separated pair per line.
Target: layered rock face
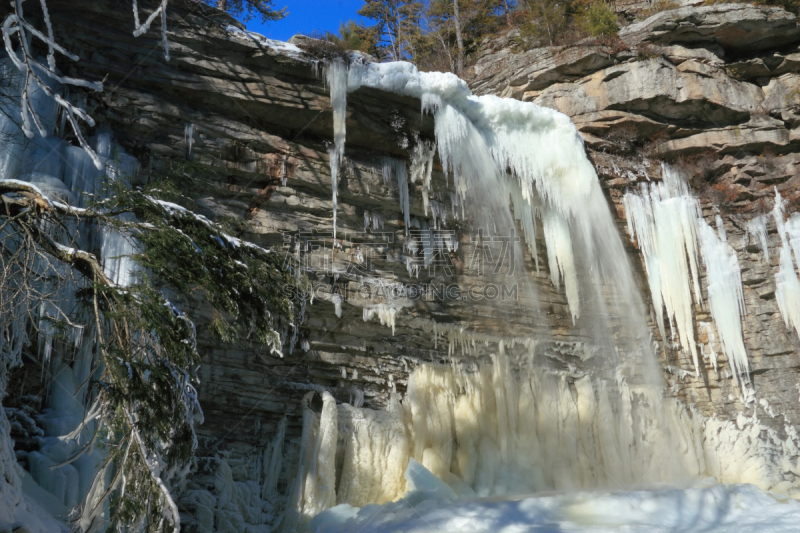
x,y
257,115
712,91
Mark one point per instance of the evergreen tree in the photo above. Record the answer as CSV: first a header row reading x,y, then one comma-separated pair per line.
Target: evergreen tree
x,y
397,22
143,402
356,36
246,9
476,19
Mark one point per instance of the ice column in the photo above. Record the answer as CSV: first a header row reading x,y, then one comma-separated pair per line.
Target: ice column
x,y
336,75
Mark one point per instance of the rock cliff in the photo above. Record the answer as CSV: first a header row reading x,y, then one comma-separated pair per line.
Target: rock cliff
x,y
712,90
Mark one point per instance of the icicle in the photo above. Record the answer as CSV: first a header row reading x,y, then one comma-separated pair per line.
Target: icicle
x,y
663,218
757,228
787,285
560,258
422,168
725,296
336,77
398,168
188,137
385,313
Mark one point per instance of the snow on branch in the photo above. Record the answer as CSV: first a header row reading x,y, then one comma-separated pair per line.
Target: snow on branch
x,y
18,35
143,28
15,26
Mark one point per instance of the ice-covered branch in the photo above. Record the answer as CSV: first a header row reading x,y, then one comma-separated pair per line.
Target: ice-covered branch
x,y
143,28
16,27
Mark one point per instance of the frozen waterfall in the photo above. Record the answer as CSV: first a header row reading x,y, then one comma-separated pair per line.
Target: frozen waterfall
x,y
513,425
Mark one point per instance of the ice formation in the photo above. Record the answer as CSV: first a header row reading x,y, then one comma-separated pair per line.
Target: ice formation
x,y
757,228
667,223
513,426
336,76
787,285
725,297
662,218
386,314
188,137
63,469
396,168
480,139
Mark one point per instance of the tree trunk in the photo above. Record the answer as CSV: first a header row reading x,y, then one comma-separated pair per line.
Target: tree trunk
x,y
459,38
222,4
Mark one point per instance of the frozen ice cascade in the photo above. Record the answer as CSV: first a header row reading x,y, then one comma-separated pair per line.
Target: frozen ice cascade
x,y
787,285
668,225
510,425
59,475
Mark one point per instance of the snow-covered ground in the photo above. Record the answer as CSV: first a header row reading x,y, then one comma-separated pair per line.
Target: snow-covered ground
x,y
706,507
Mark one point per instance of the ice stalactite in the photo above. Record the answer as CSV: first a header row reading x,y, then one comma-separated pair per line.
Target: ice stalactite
x,y
787,285
757,228
666,221
386,314
392,167
725,297
373,219
422,169
662,218
336,77
188,137
560,257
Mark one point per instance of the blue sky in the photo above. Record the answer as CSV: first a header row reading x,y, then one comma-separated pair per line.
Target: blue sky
x,y
305,16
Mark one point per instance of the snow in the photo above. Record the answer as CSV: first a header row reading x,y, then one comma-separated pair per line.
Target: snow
x,y
258,39
704,508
